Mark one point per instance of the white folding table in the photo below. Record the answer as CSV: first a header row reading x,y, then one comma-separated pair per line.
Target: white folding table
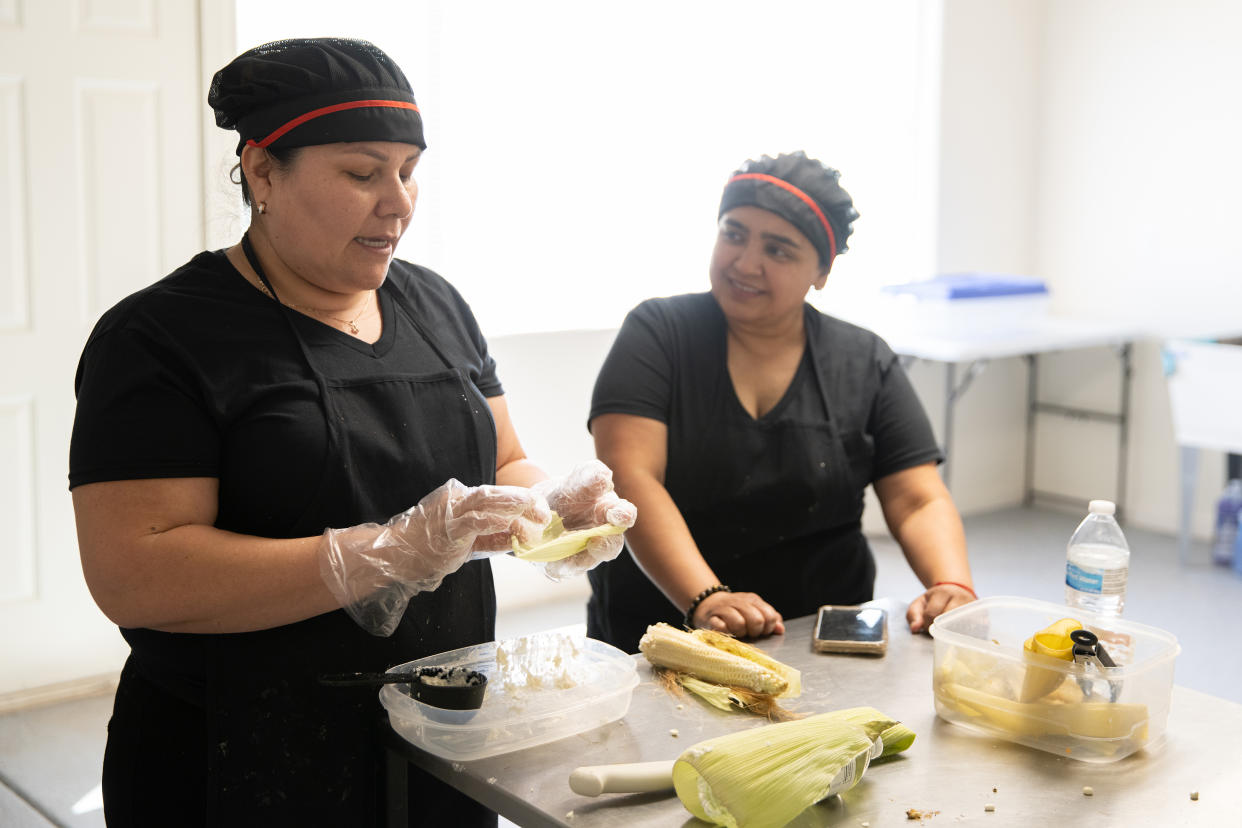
x,y
939,336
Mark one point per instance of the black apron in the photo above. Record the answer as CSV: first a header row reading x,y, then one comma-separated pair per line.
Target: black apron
x,y
281,748
774,504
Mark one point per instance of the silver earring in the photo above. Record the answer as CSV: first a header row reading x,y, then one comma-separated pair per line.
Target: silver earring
x,y
262,207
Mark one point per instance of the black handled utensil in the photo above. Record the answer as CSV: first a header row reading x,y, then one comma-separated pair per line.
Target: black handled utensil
x,y
366,679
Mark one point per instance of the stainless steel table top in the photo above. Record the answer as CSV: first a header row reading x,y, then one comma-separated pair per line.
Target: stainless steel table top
x,y
948,772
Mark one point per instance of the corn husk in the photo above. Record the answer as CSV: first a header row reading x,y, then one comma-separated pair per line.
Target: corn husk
x,y
557,544
729,699
896,738
766,776
1094,720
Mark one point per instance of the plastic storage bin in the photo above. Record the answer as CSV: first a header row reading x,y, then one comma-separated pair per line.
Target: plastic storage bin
x,y
540,688
984,680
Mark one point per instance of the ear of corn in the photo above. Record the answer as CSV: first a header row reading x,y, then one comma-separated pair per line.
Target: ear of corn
x,y
896,738
666,646
748,651
557,543
766,776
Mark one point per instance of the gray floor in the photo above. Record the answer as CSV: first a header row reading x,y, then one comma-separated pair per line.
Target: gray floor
x,y
50,756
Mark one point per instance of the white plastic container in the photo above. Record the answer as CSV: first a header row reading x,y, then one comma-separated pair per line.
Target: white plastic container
x,y
543,687
1097,562
1087,713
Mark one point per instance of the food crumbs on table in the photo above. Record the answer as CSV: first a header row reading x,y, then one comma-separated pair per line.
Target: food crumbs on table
x,y
1194,796
994,790
681,707
674,733
990,808
491,780
915,813
569,815
1087,790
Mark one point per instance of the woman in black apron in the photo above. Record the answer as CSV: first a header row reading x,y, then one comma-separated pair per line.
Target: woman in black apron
x,y
746,426
251,434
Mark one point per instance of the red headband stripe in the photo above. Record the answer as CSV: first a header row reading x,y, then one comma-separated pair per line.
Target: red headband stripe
x,y
327,110
810,202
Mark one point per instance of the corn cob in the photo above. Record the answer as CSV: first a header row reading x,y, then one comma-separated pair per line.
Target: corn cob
x,y
748,651
665,646
556,543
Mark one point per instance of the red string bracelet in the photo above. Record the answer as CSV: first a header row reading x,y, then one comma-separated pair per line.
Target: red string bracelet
x,y
956,584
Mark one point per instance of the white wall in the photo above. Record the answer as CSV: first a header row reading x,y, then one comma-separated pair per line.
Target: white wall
x,y
1092,144
548,380
1138,203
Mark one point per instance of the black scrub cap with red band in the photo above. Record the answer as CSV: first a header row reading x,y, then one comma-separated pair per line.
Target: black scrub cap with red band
x,y
307,91
800,190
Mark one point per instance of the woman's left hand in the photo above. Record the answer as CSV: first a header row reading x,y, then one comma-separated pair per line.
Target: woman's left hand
x,y
937,599
584,498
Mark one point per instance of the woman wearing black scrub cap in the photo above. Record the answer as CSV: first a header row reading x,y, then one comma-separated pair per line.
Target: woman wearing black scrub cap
x,y
745,425
289,459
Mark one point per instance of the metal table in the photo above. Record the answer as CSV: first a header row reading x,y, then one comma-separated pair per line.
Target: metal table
x,y
948,770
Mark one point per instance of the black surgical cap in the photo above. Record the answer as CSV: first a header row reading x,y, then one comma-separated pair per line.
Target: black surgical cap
x,y
800,190
306,91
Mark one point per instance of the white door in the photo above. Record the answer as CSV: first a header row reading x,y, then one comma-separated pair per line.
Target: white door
x,y
101,145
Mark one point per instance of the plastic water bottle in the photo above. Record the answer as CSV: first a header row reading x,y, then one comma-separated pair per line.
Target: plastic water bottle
x,y
1097,562
1237,547
1228,508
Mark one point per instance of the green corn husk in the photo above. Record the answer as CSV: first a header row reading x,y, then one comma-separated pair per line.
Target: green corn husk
x,y
731,699
896,738
766,776
556,543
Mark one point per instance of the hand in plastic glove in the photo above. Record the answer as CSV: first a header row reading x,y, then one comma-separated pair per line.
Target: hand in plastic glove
x,y
584,498
374,569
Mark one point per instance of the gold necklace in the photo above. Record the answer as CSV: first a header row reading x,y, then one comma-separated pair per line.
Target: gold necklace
x,y
353,327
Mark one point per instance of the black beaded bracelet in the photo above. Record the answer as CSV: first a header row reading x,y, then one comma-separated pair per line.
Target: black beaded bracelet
x,y
698,599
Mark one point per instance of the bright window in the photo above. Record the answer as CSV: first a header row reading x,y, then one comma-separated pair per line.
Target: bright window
x,y
577,150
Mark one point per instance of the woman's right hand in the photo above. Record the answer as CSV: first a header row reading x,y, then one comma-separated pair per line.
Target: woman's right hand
x,y
741,614
374,570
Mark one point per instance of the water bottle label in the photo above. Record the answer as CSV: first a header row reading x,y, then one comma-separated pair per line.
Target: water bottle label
x,y
1083,580
1096,581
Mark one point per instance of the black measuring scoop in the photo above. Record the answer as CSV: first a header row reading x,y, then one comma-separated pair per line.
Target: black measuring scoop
x,y
450,688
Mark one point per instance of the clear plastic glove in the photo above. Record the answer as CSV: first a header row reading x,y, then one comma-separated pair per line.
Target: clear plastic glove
x,y
374,570
584,498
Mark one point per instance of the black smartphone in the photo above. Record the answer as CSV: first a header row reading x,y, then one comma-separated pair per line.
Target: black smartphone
x,y
851,630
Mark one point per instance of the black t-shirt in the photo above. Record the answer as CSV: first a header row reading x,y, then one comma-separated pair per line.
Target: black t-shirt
x,y
774,503
198,375
668,363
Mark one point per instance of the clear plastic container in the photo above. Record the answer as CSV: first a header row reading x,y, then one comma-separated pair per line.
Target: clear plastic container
x,y
540,688
986,681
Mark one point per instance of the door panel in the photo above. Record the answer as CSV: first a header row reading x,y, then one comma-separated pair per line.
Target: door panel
x,y
101,118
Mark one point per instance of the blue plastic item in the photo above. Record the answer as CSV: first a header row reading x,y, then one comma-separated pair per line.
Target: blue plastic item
x,y
1228,512
1237,548
970,286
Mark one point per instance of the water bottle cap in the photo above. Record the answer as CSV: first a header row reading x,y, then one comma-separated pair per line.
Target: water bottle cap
x,y
1102,507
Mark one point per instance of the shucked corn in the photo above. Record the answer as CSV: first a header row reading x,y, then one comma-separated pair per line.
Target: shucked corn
x,y
719,659
557,543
